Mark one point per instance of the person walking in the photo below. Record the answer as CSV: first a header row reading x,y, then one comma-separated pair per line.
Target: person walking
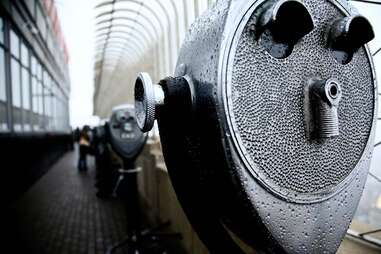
x,y
84,146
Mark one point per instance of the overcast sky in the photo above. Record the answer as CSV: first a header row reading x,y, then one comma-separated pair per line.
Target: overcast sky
x,y
77,19
78,27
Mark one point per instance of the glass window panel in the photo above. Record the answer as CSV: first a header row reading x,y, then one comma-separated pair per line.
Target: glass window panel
x,y
3,95
46,79
35,100
15,44
40,99
39,71
49,113
55,108
24,55
47,102
3,91
61,115
26,88
34,95
1,31
46,99
51,106
33,65
40,117
54,112
16,95
16,86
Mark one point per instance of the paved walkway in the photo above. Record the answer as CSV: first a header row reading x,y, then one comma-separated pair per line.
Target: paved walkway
x,y
61,214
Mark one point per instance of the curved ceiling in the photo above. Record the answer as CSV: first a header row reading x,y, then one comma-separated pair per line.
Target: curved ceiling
x,y
127,30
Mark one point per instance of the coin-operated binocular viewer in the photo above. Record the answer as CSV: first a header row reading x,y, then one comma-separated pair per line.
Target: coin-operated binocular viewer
x,y
127,140
267,127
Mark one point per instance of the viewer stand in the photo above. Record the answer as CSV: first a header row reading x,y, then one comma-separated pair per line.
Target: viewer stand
x,y
138,241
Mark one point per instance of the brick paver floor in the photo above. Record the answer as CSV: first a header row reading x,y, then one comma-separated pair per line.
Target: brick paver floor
x,y
61,214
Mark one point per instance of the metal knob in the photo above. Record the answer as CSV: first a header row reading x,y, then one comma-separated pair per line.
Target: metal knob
x,y
148,97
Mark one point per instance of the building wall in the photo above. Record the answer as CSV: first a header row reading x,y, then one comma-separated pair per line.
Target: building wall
x,y
34,94
34,87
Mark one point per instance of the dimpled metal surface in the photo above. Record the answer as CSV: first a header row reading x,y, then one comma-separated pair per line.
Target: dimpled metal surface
x,y
265,102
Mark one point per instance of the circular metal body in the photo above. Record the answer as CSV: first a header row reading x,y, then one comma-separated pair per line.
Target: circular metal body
x,y
125,136
263,99
242,162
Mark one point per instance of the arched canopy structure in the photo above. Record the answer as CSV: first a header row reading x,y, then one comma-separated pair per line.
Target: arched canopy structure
x,y
137,35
